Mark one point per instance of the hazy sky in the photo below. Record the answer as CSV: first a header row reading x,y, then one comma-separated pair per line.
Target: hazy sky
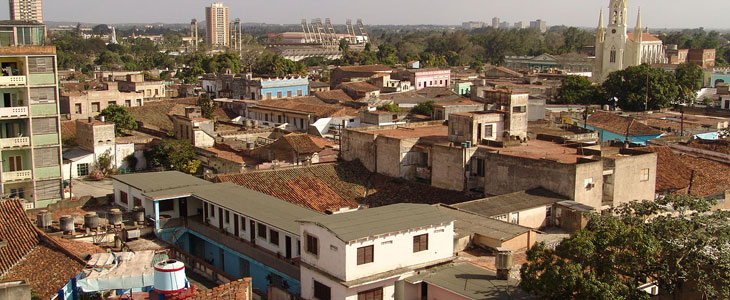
x,y
655,13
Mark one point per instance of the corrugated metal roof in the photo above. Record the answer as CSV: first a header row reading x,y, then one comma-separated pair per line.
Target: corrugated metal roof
x,y
157,181
513,202
259,206
380,220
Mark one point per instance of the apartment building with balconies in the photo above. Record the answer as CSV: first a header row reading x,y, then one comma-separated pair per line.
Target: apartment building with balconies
x,y
30,140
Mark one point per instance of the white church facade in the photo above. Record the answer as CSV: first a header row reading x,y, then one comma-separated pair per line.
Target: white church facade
x,y
617,49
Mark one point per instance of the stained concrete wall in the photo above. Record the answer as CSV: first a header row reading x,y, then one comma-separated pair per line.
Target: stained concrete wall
x,y
448,166
509,174
14,289
628,184
358,145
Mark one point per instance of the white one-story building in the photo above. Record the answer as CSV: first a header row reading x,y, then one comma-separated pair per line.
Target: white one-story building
x,y
367,254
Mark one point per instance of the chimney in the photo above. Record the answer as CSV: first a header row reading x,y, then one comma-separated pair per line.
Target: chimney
x,y
503,262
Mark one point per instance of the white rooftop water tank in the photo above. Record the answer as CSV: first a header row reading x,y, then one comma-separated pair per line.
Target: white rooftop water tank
x,y
170,277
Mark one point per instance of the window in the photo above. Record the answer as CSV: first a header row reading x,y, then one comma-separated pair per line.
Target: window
x,y
420,243
274,237
123,197
212,211
228,217
167,205
45,125
137,201
40,65
128,103
299,92
645,175
612,56
139,102
82,169
110,103
94,106
312,245
262,231
489,130
365,255
321,291
548,211
268,95
77,108
19,192
243,223
374,294
288,94
278,94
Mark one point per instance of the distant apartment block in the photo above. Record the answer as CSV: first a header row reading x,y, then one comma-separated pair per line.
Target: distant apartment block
x,y
216,21
539,25
26,10
151,89
472,25
520,25
495,23
30,140
88,104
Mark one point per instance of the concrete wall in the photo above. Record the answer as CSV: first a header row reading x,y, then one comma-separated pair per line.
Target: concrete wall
x,y
628,184
389,153
534,217
357,145
104,98
443,112
437,293
536,109
522,241
448,166
509,174
340,292
131,193
244,231
14,290
395,251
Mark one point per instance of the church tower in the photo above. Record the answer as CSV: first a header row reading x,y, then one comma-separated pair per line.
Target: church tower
x,y
612,46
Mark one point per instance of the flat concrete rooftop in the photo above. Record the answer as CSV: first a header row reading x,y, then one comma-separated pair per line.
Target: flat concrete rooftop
x,y
436,131
539,149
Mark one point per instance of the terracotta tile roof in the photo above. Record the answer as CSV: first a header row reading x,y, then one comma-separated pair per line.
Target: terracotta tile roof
x,y
17,230
675,171
303,143
672,173
299,106
351,181
333,96
360,86
30,254
721,146
645,37
366,68
506,71
618,124
460,101
46,268
240,290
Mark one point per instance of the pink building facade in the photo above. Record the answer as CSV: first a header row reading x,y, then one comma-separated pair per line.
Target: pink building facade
x,y
421,78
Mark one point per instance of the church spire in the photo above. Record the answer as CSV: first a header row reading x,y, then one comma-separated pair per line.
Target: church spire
x,y
637,29
601,31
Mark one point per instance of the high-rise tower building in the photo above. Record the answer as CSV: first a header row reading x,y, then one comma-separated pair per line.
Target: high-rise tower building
x,y
217,31
30,139
26,10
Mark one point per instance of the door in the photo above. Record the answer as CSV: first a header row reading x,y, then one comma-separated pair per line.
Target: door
x,y
220,218
235,224
183,208
6,100
252,231
16,163
287,243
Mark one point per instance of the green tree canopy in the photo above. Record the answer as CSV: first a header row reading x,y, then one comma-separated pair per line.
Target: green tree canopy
x,y
676,241
576,90
173,154
121,118
629,86
689,79
425,108
206,106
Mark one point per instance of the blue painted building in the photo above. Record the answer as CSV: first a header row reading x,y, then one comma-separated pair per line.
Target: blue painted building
x,y
242,232
612,127
277,88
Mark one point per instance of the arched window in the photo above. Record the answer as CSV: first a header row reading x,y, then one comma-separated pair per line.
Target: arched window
x,y
612,56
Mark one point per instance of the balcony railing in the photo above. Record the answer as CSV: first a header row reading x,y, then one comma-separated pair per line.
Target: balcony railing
x,y
17,175
6,81
14,142
13,112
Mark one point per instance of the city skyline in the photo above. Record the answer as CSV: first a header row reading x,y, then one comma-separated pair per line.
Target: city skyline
x,y
582,13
